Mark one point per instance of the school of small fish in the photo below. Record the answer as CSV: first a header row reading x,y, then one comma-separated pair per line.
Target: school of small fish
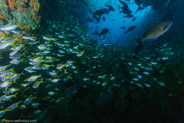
x,y
37,72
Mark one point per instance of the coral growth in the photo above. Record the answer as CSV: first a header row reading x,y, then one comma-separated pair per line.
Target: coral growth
x,y
24,1
23,12
36,19
1,34
21,8
1,17
12,4
25,26
35,4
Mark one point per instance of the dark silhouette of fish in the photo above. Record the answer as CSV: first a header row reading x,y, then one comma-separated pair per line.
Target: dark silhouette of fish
x,y
129,16
125,8
131,28
104,31
98,18
123,27
139,3
134,18
105,10
153,33
94,16
140,8
99,12
110,7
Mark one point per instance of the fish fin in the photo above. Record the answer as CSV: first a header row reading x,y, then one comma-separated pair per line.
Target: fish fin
x,y
98,19
94,16
139,41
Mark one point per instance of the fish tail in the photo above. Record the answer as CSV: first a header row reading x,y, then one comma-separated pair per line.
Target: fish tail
x,y
94,15
140,8
139,47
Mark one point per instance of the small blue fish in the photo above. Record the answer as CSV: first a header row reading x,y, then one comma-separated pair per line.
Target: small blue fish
x,y
4,45
8,27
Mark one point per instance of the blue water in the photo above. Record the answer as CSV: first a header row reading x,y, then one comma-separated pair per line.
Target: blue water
x,y
115,20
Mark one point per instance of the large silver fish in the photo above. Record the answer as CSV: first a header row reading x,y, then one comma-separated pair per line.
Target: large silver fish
x,y
153,33
156,30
